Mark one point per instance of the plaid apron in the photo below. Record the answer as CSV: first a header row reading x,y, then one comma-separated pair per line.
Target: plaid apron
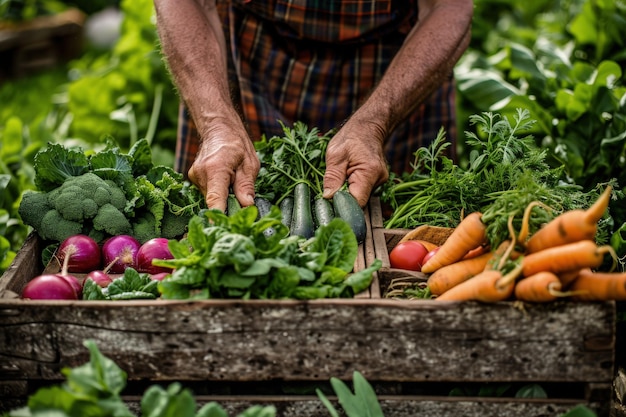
x,y
315,61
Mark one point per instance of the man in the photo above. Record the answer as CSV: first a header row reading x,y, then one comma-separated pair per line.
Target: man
x,y
380,71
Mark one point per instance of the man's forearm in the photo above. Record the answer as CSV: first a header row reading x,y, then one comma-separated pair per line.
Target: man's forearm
x,y
425,60
194,47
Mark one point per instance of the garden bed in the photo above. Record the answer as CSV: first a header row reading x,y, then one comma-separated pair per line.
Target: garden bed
x,y
414,352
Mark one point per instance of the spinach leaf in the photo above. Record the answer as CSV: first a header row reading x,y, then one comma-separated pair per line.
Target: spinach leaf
x,y
231,257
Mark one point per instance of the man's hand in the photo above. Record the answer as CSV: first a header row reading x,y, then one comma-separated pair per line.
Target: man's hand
x,y
355,153
226,158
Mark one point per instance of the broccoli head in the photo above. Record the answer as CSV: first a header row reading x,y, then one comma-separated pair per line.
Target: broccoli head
x,y
33,206
145,228
112,221
81,204
174,226
55,227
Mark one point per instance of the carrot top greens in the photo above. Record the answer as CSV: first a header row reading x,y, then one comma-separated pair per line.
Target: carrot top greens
x,y
505,172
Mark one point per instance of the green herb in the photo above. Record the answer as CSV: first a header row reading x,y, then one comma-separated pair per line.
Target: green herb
x,y
504,174
231,257
297,156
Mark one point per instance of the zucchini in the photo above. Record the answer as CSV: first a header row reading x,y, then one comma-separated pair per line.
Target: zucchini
x,y
302,217
286,209
323,211
264,206
347,208
232,205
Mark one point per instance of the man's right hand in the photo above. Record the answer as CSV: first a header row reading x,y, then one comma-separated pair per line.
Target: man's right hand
x,y
226,159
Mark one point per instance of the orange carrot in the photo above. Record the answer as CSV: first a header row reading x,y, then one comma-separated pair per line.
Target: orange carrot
x,y
539,288
469,234
567,277
488,286
480,250
582,254
570,226
448,276
428,245
525,230
599,286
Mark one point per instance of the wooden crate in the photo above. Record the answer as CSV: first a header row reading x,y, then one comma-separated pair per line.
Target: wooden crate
x,y
262,351
41,43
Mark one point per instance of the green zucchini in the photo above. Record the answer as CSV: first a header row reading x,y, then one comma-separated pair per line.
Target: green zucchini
x,y
264,206
323,211
232,205
347,208
302,217
286,209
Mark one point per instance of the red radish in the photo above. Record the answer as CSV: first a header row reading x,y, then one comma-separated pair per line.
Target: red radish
x,y
122,247
83,251
61,286
102,277
429,255
156,248
160,276
49,287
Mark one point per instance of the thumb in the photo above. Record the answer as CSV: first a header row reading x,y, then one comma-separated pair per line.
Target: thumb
x,y
243,187
334,179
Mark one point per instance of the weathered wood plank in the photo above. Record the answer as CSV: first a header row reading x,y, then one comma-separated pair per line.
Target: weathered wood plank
x,y
296,340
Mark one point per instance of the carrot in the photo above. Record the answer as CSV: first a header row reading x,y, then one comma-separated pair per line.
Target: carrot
x,y
599,286
428,245
469,234
451,275
570,226
539,288
480,250
488,286
525,230
582,254
567,277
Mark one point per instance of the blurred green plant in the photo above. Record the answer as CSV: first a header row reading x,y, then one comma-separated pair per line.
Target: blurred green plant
x,y
126,93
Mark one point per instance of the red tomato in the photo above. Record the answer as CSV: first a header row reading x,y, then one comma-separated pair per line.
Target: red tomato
x,y
408,255
429,255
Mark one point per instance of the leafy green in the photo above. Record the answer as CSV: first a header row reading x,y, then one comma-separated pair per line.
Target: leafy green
x,y
130,286
363,403
57,163
231,257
